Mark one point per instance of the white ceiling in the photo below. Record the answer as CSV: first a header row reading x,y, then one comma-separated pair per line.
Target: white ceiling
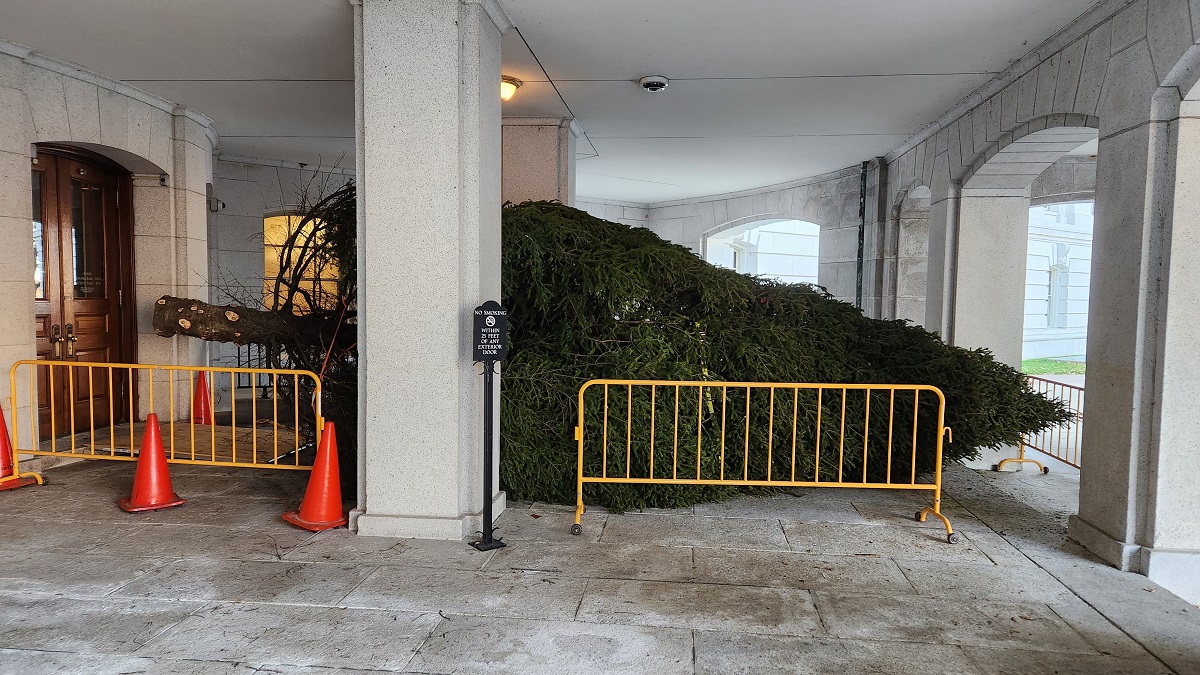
x,y
762,92
277,76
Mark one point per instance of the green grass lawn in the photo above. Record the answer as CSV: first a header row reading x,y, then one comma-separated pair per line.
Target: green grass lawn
x,y
1051,367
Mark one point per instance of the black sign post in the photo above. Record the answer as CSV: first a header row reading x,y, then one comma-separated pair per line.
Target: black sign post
x,y
489,345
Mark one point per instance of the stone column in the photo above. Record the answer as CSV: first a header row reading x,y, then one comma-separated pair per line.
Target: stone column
x,y
539,159
171,251
1140,483
989,289
16,231
940,270
428,144
1171,553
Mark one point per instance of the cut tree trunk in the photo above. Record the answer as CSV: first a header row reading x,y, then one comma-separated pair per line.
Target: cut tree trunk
x,y
230,323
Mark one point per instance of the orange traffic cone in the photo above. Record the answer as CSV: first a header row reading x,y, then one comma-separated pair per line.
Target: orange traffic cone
x,y
322,505
201,402
151,482
9,478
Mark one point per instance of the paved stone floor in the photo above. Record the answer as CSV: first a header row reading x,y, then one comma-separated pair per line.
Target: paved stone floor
x,y
816,582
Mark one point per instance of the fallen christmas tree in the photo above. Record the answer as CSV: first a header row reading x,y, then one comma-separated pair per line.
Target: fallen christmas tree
x,y
590,299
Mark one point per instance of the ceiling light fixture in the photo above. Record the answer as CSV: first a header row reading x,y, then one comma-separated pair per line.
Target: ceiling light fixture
x,y
508,86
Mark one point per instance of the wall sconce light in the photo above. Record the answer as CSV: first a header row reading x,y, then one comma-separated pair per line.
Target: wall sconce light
x,y
508,87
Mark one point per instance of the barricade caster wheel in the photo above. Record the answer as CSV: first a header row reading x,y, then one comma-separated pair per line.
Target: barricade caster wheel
x,y
577,530
953,538
917,517
1045,470
995,467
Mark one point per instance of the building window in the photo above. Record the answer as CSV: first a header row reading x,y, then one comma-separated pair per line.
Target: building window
x,y
311,279
1060,282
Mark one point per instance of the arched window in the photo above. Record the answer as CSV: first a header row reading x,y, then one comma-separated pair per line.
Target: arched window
x,y
787,250
292,243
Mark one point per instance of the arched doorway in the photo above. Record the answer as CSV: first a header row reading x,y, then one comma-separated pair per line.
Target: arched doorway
x,y
83,285
990,279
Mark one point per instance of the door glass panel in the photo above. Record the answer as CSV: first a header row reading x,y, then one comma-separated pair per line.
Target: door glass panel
x,y
87,235
39,240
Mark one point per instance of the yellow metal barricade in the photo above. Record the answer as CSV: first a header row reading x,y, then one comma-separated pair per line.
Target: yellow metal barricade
x,y
1062,442
82,410
662,432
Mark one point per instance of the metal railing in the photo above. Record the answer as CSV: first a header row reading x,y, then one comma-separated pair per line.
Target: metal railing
x,y
1062,442
88,410
662,432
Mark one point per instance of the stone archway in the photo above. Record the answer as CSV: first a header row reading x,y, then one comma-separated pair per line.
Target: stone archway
x,y
989,258
787,249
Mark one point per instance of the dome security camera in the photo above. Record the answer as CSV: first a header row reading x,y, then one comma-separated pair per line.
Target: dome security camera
x,y
654,83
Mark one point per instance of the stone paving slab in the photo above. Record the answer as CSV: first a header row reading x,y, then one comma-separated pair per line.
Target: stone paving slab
x,y
467,644
116,478
516,594
682,530
339,546
915,498
296,635
89,476
880,540
521,524
798,570
62,504
602,561
54,536
34,662
1104,637
901,514
249,581
700,606
181,541
985,582
748,654
997,549
224,511
948,621
97,507
1021,662
70,574
785,506
87,625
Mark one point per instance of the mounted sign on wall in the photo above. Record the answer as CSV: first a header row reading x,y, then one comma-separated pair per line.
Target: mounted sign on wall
x,y
489,345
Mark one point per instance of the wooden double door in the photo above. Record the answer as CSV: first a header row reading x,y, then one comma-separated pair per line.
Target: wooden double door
x,y
83,259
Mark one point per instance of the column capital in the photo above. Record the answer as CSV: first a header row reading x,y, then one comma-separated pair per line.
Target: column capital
x,y
492,7
495,12
567,123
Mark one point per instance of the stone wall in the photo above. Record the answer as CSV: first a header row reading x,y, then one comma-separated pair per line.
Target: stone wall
x,y
167,148
629,213
1070,179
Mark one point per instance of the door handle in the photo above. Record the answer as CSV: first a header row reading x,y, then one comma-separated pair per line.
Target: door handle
x,y
71,339
56,340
